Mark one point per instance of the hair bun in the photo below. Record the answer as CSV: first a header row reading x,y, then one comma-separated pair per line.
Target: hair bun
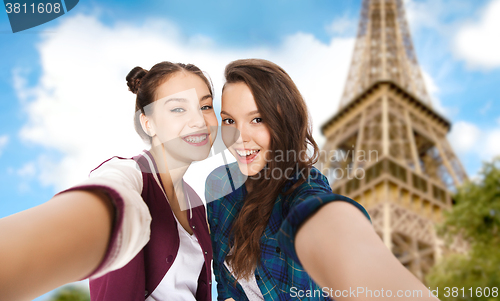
x,y
134,78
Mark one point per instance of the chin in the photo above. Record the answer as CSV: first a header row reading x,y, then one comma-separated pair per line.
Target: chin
x,y
243,169
246,171
200,156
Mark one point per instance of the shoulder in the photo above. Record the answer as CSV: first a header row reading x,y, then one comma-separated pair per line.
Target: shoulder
x,y
317,180
314,183
224,173
314,192
115,162
126,171
222,181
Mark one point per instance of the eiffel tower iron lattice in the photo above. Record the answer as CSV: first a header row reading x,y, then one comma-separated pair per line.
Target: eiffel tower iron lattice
x,y
386,146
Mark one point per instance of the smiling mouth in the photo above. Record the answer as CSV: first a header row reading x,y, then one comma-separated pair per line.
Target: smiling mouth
x,y
246,153
199,139
247,156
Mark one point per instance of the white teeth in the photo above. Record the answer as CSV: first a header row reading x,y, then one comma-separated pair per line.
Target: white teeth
x,y
195,139
246,153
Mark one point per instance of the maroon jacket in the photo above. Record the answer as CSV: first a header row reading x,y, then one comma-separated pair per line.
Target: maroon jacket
x,y
139,278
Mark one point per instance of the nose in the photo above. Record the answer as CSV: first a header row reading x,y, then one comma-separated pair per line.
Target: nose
x,y
196,119
242,135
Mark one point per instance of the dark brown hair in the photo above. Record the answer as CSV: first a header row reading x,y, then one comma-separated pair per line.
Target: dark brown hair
x,y
144,83
285,115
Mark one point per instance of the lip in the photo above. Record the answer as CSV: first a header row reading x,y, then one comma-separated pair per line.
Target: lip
x,y
249,159
203,142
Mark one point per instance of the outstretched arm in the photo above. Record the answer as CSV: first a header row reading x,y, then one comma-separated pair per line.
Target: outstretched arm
x,y
60,241
339,248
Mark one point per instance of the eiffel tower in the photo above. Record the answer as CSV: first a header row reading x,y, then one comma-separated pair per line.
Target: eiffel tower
x,y
386,146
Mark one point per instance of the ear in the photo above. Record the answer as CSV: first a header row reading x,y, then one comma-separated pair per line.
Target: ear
x,y
147,125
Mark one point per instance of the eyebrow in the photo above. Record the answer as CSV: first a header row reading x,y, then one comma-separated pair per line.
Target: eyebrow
x,y
175,99
249,114
180,99
206,97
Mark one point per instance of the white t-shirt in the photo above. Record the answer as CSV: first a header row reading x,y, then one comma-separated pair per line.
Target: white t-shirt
x,y
178,283
250,286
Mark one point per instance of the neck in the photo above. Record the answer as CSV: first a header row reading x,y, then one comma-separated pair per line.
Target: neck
x,y
163,161
171,178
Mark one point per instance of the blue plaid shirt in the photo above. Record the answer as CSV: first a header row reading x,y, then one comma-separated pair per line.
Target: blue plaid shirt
x,y
279,275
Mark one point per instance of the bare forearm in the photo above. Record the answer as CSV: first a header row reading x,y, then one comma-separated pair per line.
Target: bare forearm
x,y
52,244
340,250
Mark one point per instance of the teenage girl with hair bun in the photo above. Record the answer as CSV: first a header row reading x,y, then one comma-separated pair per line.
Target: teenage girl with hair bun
x,y
135,228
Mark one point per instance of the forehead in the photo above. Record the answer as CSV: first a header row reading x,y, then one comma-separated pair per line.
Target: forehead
x,y
238,96
180,82
186,96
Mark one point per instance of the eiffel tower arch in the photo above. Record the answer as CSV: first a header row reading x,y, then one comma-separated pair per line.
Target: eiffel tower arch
x,y
386,146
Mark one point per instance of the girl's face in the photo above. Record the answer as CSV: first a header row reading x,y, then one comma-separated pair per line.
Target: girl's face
x,y
183,119
243,130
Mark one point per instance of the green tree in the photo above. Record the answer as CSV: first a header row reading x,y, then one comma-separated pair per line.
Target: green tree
x,y
475,217
71,293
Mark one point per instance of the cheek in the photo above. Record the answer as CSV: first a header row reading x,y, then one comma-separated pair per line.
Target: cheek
x,y
229,135
211,119
171,129
263,138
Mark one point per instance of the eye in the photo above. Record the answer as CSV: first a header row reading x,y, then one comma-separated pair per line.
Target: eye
x,y
257,120
204,108
227,121
177,110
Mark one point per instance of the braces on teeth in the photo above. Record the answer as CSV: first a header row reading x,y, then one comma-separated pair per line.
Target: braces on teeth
x,y
196,139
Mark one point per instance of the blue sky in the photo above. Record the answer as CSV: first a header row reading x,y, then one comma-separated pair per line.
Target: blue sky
x,y
58,81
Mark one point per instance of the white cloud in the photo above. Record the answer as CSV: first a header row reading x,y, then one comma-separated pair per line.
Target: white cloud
x,y
464,136
3,142
319,70
477,42
28,170
343,26
433,91
430,84
82,109
432,23
468,138
492,143
437,15
419,14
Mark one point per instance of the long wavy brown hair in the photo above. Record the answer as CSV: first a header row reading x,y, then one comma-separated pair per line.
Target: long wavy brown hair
x,y
284,112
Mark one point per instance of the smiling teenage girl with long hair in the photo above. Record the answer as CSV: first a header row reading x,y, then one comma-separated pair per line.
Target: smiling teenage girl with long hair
x,y
275,223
